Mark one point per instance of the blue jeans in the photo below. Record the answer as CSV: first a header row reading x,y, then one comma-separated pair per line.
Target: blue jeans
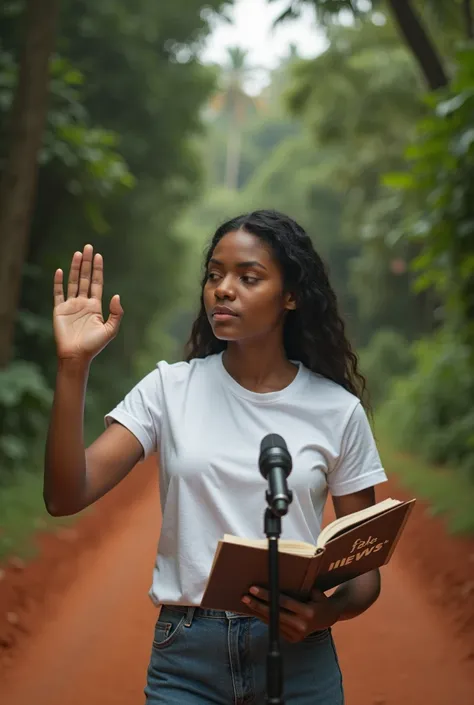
x,y
203,656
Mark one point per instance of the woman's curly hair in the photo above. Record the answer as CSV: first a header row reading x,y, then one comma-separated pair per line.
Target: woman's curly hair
x,y
314,332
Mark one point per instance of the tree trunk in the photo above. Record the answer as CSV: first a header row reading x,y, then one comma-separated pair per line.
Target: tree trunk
x,y
234,149
467,11
19,177
419,42
233,158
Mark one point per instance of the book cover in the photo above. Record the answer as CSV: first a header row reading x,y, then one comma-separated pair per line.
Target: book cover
x,y
356,550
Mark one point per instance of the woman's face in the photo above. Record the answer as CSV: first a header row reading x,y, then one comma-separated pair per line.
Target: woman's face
x,y
243,294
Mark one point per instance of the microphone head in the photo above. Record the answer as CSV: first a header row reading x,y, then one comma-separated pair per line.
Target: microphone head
x,y
274,454
272,440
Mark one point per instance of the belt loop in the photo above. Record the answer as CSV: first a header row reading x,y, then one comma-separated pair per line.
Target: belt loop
x,y
189,616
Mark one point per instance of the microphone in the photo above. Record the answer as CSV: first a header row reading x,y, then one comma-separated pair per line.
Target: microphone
x,y
275,465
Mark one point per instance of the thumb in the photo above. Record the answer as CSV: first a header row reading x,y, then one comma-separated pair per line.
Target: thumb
x,y
115,316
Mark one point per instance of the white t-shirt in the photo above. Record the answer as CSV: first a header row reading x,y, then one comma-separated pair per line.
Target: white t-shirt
x,y
207,429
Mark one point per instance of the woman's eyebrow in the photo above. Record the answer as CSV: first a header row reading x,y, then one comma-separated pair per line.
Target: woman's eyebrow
x,y
249,263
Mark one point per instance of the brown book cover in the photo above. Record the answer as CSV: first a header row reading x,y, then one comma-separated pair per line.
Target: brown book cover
x,y
346,548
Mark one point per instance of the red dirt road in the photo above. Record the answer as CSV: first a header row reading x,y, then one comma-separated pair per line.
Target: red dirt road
x,y
88,641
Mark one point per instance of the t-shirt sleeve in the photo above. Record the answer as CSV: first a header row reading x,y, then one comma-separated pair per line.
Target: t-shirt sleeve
x,y
359,465
141,410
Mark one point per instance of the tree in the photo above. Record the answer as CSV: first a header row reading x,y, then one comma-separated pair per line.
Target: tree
x,y
143,82
126,96
438,185
18,183
233,102
414,32
420,43
364,110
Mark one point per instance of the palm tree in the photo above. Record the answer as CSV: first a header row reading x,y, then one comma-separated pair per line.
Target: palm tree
x,y
234,103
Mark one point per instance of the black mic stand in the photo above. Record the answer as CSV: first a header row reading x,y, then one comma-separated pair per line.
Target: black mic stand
x,y
274,659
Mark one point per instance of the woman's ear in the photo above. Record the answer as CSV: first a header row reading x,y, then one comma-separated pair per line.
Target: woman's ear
x,y
290,302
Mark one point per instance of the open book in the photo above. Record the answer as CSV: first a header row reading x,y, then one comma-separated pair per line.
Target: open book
x,y
347,547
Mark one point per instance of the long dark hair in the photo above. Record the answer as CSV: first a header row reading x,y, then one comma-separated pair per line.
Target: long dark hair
x,y
314,332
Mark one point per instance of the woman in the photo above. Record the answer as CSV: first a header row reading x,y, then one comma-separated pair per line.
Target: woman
x,y
267,354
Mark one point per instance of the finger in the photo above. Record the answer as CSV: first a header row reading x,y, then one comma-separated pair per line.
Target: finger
x,y
58,290
290,636
74,272
97,283
86,271
288,603
318,596
116,312
286,618
286,631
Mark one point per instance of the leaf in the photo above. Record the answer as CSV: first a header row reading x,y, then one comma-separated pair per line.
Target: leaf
x,y
95,217
422,261
291,13
463,143
466,228
421,228
398,180
73,77
447,107
426,281
14,448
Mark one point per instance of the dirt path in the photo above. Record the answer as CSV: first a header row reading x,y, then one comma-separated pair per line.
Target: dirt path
x,y
93,648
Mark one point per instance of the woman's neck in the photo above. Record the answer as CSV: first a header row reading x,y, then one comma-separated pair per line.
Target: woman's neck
x,y
259,367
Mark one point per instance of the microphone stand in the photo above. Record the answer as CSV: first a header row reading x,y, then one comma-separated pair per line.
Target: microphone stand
x,y
274,660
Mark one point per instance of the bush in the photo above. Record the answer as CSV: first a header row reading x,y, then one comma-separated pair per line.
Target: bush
x,y
387,356
431,411
439,195
25,400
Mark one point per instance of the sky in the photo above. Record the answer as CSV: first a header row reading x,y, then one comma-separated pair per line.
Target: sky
x,y
252,29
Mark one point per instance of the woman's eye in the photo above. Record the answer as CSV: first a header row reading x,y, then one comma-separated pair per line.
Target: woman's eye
x,y
249,280
212,276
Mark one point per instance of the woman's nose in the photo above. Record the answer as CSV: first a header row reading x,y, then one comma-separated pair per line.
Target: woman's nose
x,y
225,290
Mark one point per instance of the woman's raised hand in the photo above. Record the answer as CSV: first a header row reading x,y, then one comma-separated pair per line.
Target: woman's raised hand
x,y
79,328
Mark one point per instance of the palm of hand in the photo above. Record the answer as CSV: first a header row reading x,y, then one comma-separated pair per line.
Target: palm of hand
x,y
79,323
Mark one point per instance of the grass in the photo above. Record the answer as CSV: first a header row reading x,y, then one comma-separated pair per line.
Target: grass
x,y
22,514
448,492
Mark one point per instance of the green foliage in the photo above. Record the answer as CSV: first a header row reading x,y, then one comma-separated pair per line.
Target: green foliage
x,y
23,515
439,188
364,110
431,410
396,215
127,91
86,155
25,399
444,20
326,10
387,356
118,165
447,492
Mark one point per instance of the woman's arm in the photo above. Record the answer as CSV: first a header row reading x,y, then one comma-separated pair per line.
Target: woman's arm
x,y
75,477
357,595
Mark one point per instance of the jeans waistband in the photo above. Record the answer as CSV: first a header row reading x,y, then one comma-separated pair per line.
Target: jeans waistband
x,y
203,612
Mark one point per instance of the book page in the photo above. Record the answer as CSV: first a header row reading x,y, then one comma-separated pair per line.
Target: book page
x,y
298,548
343,523
301,548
